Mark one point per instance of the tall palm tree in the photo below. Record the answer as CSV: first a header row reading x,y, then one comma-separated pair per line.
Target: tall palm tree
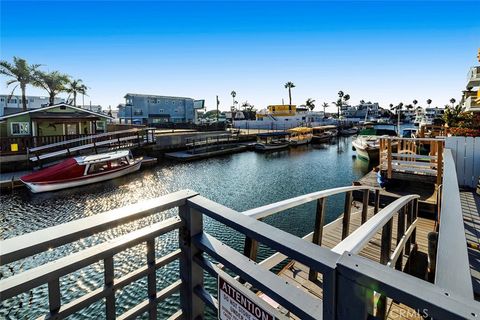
x,y
21,73
289,85
325,106
233,94
429,101
74,87
53,82
310,103
415,103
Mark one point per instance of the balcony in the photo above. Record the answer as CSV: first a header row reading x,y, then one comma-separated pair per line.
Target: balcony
x,y
473,77
472,103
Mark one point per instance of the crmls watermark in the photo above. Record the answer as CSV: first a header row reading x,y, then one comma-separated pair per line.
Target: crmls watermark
x,y
408,313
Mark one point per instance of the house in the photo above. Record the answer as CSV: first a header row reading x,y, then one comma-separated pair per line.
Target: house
x,y
60,119
154,109
9,104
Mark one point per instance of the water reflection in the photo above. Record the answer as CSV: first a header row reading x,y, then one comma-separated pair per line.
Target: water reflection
x,y
241,181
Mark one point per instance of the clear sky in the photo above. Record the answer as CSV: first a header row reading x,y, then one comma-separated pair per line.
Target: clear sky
x,y
382,51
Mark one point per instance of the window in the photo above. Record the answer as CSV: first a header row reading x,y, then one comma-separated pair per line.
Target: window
x,y
19,128
32,100
137,112
100,126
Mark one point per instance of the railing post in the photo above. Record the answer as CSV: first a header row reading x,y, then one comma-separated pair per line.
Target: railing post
x,y
439,162
318,231
191,274
152,281
346,214
400,233
250,248
389,159
386,247
366,194
377,202
54,300
413,237
110,298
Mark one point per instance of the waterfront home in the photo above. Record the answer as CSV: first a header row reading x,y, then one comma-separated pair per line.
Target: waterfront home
x,y
157,110
60,119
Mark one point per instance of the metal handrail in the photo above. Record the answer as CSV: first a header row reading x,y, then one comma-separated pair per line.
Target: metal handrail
x,y
42,240
269,209
358,239
452,251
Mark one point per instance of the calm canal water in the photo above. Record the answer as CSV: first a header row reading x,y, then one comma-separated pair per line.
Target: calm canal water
x,y
241,181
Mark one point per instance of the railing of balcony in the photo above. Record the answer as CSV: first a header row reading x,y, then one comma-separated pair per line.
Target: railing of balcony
x,y
349,281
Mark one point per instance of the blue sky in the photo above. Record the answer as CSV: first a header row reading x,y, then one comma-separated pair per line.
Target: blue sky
x,y
383,51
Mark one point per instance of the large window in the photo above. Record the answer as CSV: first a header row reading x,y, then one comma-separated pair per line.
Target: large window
x,y
20,128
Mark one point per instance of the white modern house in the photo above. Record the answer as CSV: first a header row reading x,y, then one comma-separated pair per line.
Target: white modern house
x,y
14,103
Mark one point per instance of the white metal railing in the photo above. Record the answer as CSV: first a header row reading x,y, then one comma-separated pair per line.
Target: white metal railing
x,y
452,251
348,280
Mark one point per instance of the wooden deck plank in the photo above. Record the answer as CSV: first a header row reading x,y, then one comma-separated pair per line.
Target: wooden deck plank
x,y
297,273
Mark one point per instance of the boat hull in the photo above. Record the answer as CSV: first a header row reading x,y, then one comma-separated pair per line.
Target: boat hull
x,y
265,147
370,153
38,187
300,142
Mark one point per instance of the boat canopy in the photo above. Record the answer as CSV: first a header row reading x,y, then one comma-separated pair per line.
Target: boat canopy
x,y
102,157
300,130
273,134
328,127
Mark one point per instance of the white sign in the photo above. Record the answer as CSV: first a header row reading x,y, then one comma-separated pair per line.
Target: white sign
x,y
238,303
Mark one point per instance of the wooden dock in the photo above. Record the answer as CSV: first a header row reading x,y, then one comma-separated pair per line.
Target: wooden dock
x,y
398,188
297,274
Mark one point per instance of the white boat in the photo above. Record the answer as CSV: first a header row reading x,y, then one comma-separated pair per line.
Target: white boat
x,y
79,171
349,131
300,135
367,144
272,141
324,133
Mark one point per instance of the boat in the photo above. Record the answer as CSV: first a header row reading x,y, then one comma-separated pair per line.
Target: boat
x,y
367,144
79,171
349,131
271,141
324,133
300,135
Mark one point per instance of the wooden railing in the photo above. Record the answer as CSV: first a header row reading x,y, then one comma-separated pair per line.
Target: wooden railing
x,y
415,156
25,143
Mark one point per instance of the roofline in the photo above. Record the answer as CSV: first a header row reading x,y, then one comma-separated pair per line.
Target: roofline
x,y
54,106
156,96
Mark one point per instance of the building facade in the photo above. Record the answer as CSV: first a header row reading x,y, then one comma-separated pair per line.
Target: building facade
x,y
154,109
14,104
56,120
365,109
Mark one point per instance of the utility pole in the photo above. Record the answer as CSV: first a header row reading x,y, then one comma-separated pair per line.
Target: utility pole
x,y
218,103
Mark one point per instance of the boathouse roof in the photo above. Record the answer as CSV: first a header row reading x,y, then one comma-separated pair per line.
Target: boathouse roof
x,y
42,110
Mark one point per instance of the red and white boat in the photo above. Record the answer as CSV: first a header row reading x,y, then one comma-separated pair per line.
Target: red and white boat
x,y
83,170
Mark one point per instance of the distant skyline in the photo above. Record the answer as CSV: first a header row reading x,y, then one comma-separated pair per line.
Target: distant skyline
x,y
382,51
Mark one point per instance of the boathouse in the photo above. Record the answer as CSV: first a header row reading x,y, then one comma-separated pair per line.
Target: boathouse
x,y
61,119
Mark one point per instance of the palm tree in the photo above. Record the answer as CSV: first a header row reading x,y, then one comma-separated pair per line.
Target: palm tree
x,y
21,73
310,103
74,87
233,94
289,85
429,101
53,82
452,101
325,106
415,103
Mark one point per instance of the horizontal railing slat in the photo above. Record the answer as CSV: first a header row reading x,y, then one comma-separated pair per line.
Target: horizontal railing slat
x,y
42,240
292,298
270,209
319,258
359,238
35,277
145,305
452,247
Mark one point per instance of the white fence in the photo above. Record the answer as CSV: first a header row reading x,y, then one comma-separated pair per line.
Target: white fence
x,y
466,153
